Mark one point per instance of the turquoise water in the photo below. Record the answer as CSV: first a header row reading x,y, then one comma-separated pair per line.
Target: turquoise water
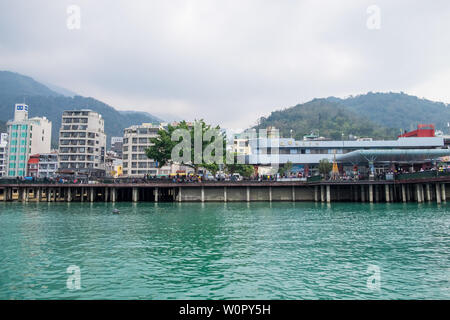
x,y
225,251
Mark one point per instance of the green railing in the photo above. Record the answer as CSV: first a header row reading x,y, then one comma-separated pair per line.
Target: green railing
x,y
422,175
314,179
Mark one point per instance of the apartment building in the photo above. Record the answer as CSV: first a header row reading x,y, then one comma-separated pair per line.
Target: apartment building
x,y
26,137
117,145
3,150
136,140
43,165
82,143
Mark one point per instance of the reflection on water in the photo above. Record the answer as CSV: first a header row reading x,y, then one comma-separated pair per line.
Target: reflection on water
x,y
225,251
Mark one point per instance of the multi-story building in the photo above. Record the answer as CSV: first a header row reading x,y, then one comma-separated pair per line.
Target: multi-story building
x,y
113,164
26,137
117,145
3,149
43,165
136,140
305,155
82,143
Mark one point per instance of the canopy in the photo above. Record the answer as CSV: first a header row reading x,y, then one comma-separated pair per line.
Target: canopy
x,y
396,155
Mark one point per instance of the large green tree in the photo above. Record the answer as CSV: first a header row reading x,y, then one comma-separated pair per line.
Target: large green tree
x,y
164,144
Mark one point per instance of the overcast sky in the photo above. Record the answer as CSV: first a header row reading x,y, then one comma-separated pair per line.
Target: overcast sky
x,y
229,61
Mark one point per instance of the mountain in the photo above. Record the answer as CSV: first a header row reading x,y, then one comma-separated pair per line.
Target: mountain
x,y
2,127
331,119
60,90
18,85
377,115
398,110
42,101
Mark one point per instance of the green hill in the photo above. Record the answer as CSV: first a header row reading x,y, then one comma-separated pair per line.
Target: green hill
x,y
330,118
398,110
15,88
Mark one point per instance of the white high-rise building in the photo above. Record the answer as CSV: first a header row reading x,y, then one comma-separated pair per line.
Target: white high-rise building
x,y
82,143
26,137
136,140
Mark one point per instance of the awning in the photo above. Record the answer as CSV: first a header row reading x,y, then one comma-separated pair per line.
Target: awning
x,y
389,155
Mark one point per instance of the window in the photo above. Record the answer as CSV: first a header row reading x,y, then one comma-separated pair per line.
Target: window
x,y
23,142
23,135
22,150
12,158
12,172
24,127
12,165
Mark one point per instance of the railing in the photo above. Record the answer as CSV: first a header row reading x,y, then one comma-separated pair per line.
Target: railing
x,y
423,175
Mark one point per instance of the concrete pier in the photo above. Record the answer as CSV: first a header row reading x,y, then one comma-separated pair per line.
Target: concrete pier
x,y
326,192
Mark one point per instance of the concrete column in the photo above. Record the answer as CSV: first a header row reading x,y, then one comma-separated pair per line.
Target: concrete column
x,y
179,194
443,195
203,194
48,193
38,194
270,194
135,194
422,192
224,194
371,193
27,194
408,192
328,193
157,196
69,194
316,193
355,193
403,193
363,194
418,193
113,195
386,189
428,192
82,194
5,194
322,193
438,193
293,193
106,194
377,193
248,194
91,194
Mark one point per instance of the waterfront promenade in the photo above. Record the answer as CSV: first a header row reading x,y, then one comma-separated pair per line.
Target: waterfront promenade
x,y
405,188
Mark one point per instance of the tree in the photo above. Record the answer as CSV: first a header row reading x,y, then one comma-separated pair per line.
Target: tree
x,y
325,167
245,170
287,168
162,145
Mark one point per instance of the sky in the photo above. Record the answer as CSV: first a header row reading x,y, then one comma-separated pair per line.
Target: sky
x,y
228,62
